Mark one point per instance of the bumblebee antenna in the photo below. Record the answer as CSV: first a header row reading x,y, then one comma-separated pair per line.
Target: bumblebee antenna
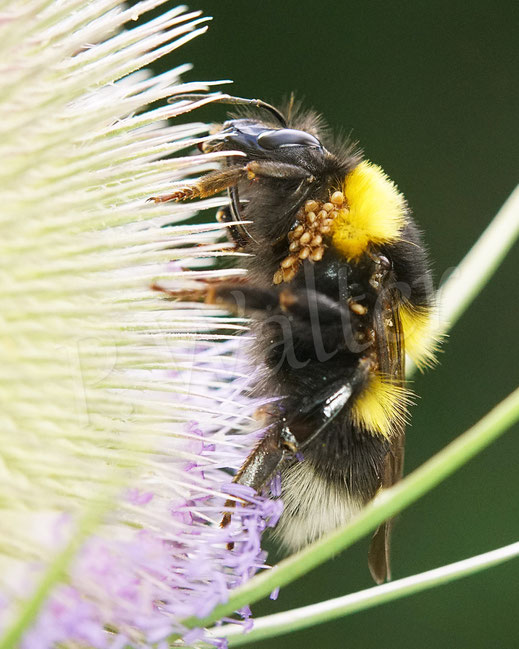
x,y
238,101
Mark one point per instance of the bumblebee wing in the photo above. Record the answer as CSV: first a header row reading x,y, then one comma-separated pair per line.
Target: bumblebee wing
x,y
379,549
391,362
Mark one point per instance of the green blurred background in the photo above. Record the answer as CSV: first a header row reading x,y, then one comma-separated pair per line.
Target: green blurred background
x,y
430,90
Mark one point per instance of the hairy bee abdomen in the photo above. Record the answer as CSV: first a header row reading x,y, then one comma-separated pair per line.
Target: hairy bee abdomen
x,y
340,473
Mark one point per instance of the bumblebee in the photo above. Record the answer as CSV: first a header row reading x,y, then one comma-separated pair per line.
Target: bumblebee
x,y
338,291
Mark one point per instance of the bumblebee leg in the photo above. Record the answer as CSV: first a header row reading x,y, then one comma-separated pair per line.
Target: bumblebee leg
x,y
234,234
292,433
208,185
328,320
281,170
235,294
331,325
301,304
208,291
262,464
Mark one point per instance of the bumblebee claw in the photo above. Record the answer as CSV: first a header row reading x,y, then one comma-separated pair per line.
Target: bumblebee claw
x,y
226,519
183,193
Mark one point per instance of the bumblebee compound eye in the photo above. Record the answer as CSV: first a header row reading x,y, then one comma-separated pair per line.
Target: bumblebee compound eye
x,y
286,137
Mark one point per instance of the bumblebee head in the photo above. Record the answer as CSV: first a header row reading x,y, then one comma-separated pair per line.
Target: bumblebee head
x,y
258,140
275,164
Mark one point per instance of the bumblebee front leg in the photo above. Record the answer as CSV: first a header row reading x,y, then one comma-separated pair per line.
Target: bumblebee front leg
x,y
206,186
216,181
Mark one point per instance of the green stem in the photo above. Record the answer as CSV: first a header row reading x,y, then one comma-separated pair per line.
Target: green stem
x,y
386,505
300,618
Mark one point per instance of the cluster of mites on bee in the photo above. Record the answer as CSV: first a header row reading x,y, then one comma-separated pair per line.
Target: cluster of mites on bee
x,y
314,220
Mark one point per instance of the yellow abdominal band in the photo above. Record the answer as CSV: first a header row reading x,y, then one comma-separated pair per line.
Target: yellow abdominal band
x,y
420,334
374,211
381,406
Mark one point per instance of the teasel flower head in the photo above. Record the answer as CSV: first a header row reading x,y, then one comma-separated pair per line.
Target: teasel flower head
x,y
121,410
